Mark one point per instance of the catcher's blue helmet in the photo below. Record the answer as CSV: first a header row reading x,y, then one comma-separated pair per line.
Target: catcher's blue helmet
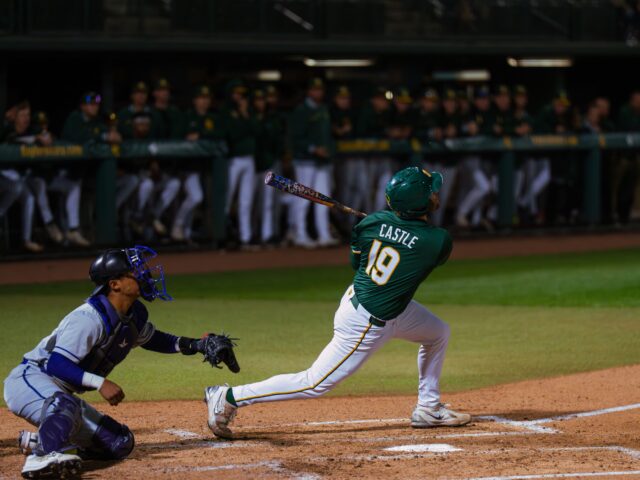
x,y
114,263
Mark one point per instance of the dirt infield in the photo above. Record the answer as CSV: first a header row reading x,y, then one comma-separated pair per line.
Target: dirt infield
x,y
34,271
578,426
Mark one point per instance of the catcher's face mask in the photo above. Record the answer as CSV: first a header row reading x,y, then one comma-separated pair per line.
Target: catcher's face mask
x,y
150,279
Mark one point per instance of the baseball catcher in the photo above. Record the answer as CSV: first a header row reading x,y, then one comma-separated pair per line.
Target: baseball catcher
x,y
79,355
392,252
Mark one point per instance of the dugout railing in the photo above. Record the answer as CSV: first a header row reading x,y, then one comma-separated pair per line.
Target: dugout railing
x,y
104,160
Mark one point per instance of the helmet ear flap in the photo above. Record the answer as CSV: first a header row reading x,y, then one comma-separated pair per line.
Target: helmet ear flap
x,y
436,181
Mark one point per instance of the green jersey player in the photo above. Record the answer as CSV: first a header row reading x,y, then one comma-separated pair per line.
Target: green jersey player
x,y
392,253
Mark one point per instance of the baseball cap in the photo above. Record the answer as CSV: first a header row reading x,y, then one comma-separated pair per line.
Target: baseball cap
x,y
271,90
502,90
202,91
90,97
431,93
140,87
343,91
520,90
449,94
481,92
162,84
316,82
562,96
403,95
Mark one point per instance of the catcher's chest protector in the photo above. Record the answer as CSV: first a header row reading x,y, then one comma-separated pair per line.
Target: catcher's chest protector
x,y
122,336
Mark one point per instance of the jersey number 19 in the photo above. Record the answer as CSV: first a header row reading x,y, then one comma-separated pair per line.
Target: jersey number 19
x,y
382,262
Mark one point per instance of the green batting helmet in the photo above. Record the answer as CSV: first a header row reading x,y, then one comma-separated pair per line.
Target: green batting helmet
x,y
408,192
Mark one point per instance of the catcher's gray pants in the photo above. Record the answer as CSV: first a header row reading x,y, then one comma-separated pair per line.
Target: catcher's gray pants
x,y
27,388
242,173
449,174
355,187
478,185
354,340
380,171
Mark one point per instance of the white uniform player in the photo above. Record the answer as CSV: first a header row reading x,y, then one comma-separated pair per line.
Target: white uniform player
x,y
393,252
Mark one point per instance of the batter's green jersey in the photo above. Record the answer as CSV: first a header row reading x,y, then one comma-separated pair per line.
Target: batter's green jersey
x,y
392,256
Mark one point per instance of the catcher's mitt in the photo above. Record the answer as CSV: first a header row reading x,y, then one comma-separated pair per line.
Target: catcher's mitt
x,y
219,349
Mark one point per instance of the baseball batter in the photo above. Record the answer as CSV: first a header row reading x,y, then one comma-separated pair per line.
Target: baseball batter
x,y
78,356
392,253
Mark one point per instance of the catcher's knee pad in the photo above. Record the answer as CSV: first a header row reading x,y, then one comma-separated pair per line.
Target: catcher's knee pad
x,y
446,331
112,440
60,420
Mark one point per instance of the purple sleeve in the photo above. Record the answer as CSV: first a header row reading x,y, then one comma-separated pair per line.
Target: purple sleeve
x,y
61,367
161,342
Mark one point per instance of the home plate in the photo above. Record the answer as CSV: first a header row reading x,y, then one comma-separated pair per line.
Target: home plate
x,y
425,447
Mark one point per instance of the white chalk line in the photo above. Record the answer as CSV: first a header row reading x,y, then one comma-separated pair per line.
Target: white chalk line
x,y
531,425
330,422
276,467
192,435
526,424
182,433
635,454
534,425
560,475
204,444
441,437
591,413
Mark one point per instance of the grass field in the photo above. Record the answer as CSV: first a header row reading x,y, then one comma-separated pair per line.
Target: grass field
x,y
511,318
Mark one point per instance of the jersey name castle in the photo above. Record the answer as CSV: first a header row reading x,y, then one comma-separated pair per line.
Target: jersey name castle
x,y
397,235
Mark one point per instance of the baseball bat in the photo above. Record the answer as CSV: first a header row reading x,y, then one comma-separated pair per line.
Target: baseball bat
x,y
294,188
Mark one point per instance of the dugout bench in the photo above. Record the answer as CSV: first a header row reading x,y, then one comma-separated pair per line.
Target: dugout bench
x,y
105,157
590,147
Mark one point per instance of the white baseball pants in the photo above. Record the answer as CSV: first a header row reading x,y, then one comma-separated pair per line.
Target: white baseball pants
x,y
319,178
481,186
167,186
380,171
242,173
265,199
70,188
14,187
354,340
356,189
193,198
537,175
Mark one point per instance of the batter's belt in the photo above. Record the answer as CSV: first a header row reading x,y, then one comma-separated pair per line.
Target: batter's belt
x,y
375,321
